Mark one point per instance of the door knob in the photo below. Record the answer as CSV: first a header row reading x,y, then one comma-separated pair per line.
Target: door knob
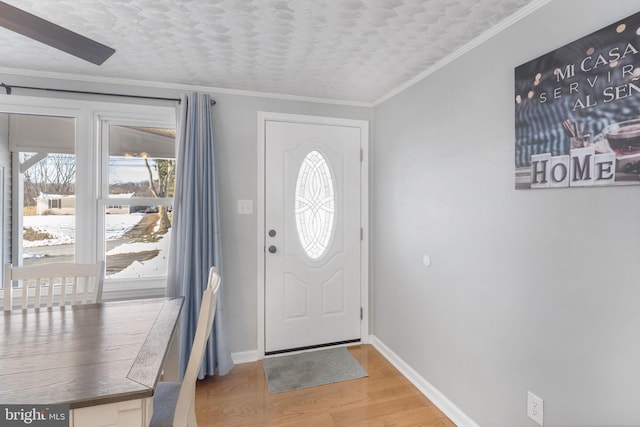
x,y
272,249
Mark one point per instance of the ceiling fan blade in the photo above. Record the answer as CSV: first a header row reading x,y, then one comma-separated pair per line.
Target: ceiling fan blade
x,y
53,35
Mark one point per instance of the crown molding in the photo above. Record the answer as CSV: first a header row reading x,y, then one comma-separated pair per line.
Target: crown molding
x,y
501,26
176,86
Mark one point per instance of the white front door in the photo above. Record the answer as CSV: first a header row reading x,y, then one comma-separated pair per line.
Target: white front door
x,y
312,234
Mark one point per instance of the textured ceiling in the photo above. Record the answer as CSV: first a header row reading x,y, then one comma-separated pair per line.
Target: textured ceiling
x,y
352,50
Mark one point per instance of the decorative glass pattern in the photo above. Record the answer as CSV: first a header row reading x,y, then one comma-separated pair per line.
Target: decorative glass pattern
x,y
314,205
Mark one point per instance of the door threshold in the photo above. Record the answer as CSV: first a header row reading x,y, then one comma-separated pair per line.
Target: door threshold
x,y
313,347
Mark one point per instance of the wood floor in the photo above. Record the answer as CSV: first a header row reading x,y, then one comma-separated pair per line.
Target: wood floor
x,y
384,398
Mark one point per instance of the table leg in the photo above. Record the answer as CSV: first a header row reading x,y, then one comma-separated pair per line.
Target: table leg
x,y
172,362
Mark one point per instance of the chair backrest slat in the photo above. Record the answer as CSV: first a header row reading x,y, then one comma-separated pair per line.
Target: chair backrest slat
x,y
58,278
74,290
25,298
86,284
50,293
63,291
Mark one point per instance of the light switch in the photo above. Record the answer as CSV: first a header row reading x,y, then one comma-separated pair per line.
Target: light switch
x,y
245,207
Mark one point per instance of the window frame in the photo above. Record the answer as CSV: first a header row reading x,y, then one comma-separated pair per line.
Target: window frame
x,y
120,288
90,169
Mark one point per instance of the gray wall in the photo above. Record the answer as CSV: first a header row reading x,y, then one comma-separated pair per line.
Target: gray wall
x,y
528,290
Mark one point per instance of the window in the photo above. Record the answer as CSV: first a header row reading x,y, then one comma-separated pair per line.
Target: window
x,y
44,181
137,197
314,205
89,182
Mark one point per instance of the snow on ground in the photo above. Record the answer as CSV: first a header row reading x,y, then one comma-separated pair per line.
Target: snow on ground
x,y
117,225
62,228
157,266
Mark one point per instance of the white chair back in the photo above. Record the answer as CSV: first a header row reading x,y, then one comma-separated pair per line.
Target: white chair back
x,y
185,407
52,284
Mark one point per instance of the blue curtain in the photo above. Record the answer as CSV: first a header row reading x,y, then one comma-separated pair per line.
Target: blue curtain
x,y
195,239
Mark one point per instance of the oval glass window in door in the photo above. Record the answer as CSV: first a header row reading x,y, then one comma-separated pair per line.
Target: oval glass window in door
x,y
314,204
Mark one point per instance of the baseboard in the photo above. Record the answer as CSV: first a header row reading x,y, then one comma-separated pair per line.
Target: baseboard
x,y
244,357
454,413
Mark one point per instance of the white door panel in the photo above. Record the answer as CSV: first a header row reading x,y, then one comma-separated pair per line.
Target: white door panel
x,y
312,208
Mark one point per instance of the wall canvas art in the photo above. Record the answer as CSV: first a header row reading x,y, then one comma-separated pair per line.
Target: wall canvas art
x,y
577,112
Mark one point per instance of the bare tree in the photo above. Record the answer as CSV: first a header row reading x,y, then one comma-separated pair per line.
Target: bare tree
x,y
162,186
54,174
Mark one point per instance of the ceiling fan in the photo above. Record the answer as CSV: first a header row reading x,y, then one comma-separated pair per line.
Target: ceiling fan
x,y
53,35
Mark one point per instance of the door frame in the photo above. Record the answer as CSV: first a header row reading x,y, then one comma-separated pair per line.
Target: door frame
x,y
363,125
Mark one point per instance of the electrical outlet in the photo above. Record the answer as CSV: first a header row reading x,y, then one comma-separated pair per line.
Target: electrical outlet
x,y
535,408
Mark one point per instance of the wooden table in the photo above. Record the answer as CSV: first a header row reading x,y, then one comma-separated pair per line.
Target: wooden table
x,y
103,360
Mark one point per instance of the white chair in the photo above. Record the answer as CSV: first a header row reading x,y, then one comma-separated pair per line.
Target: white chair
x,y
52,284
174,403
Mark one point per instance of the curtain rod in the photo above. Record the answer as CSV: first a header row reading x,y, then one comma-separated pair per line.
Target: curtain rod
x,y
8,89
